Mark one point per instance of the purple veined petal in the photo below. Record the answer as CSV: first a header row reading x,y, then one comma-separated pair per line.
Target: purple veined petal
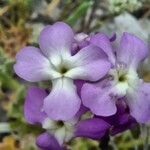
x,y
33,105
32,65
121,106
117,120
103,41
46,141
63,102
132,50
121,120
90,63
123,127
121,116
113,37
56,38
139,103
93,128
98,99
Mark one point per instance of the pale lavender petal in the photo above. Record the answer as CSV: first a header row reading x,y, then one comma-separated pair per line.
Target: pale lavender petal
x,y
90,63
33,105
98,99
103,41
56,38
94,128
139,103
32,65
132,50
46,141
63,102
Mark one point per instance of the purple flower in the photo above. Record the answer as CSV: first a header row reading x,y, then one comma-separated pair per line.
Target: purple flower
x,y
112,125
46,141
120,121
35,114
58,132
122,81
53,61
94,128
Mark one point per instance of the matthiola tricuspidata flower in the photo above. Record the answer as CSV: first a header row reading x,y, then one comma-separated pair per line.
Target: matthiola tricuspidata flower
x,y
54,61
86,67
57,133
122,80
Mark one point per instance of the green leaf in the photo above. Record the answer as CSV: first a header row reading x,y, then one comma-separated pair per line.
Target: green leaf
x,y
78,12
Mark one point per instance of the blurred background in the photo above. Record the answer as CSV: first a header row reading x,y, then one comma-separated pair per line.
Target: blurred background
x,y
20,24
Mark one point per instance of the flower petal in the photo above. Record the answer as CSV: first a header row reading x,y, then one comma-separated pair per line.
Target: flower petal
x,y
123,127
56,38
81,111
94,128
132,50
46,141
122,120
90,63
139,103
82,40
60,135
63,102
98,99
32,65
33,105
103,41
79,84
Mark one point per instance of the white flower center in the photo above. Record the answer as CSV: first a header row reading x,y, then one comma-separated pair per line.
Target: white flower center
x,y
61,64
63,69
63,131
125,79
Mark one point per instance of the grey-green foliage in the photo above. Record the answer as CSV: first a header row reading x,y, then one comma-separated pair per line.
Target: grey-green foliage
x,y
27,3
118,6
79,12
6,71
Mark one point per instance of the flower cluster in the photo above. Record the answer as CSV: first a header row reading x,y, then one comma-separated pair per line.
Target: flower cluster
x,y
88,75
